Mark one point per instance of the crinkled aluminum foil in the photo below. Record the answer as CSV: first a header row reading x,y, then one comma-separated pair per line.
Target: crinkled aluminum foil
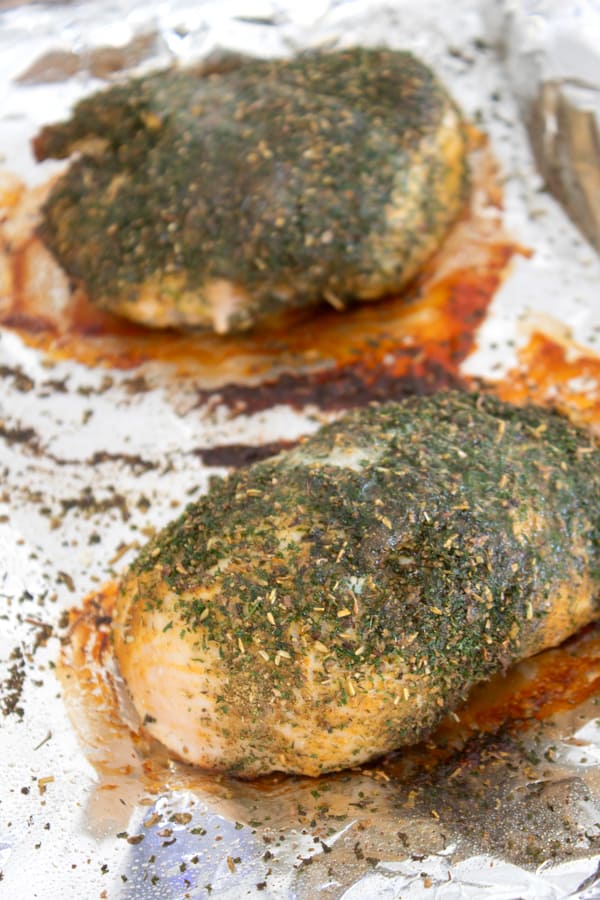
x,y
524,826
553,56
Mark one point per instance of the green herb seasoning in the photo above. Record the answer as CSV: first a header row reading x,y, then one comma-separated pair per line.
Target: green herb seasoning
x,y
334,602
217,199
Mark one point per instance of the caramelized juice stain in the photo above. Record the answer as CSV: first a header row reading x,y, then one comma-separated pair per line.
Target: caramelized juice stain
x,y
559,373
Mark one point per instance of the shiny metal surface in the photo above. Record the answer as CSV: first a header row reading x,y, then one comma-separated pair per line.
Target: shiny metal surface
x,y
89,460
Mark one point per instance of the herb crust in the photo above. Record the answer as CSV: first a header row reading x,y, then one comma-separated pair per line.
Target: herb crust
x,y
360,584
216,199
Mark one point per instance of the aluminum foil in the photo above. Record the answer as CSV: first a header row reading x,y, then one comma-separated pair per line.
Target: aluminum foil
x,y
90,458
553,57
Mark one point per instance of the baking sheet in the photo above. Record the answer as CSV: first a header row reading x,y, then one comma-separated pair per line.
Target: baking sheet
x,y
91,457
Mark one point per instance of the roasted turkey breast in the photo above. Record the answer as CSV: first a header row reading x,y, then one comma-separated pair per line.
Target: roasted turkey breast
x,y
220,198
333,603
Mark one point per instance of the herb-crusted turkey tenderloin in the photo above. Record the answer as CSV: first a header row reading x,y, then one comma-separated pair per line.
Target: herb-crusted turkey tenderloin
x,y
220,199
334,602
